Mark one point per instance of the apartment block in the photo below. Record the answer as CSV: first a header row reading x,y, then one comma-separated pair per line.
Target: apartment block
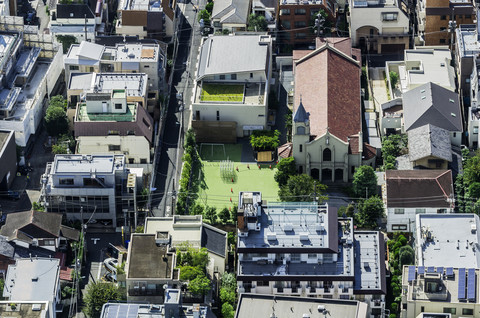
x,y
303,249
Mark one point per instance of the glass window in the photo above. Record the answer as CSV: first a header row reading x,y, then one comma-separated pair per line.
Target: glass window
x,y
475,130
392,16
300,24
300,11
443,17
233,77
113,147
442,41
65,181
300,35
399,211
399,227
286,24
418,211
74,68
448,310
467,311
285,12
222,77
118,106
312,256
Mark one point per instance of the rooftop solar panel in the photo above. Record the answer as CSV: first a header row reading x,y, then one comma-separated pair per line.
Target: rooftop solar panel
x,y
461,283
411,273
421,270
471,284
430,269
449,271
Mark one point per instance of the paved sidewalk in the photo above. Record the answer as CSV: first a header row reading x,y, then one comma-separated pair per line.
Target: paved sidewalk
x,y
379,90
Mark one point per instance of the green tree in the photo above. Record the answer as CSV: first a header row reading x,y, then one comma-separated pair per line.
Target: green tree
x,y
301,188
265,139
392,147
229,281
211,214
364,182
474,190
56,121
59,149
98,294
205,15
191,272
228,296
200,285
406,255
369,211
224,215
288,124
36,206
257,23
393,79
209,7
285,168
233,213
67,41
228,311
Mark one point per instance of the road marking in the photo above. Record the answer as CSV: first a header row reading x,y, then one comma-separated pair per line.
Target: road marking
x,y
95,239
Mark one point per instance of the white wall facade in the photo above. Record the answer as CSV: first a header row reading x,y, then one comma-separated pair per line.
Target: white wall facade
x,y
403,219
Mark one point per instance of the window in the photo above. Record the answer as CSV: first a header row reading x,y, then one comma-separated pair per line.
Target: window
x,y
222,77
475,130
447,310
233,77
300,148
251,75
218,115
468,16
443,17
439,211
114,132
459,16
113,147
295,257
145,122
371,32
285,12
143,160
65,181
263,283
422,309
131,160
131,132
118,106
300,130
300,11
327,155
442,41
91,69
399,227
74,68
390,16
300,24
312,256
146,66
286,24
399,211
420,211
300,35
467,311
97,182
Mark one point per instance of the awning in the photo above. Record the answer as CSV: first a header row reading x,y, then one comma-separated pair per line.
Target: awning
x,y
252,127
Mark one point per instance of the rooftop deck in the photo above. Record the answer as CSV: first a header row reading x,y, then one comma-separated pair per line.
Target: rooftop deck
x,y
242,94
84,116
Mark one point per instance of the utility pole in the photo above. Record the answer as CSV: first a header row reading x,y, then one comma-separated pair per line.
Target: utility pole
x,y
319,22
85,27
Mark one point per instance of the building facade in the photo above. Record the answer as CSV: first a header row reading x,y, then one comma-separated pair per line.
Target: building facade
x,y
8,157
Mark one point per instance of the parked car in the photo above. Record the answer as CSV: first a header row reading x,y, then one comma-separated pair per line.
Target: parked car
x,y
111,264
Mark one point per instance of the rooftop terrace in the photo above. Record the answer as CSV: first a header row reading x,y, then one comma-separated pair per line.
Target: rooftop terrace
x,y
244,94
148,260
87,163
83,115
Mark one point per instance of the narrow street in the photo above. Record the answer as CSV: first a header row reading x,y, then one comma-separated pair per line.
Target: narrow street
x,y
177,116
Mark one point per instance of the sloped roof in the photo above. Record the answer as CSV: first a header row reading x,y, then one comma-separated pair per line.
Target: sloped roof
x,y
301,115
214,240
418,188
429,140
74,11
285,150
432,104
69,233
328,80
231,11
225,54
90,51
31,224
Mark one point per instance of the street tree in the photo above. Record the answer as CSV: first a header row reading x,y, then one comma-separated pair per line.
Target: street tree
x,y
369,211
364,182
98,294
285,168
301,188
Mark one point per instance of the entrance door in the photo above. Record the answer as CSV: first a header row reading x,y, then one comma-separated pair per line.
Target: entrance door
x,y
327,175
315,173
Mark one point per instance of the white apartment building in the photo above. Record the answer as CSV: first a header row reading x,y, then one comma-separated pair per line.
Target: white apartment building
x,y
303,249
473,112
76,20
232,86
88,186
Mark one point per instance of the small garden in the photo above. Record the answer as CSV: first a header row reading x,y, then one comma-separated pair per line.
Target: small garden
x,y
222,93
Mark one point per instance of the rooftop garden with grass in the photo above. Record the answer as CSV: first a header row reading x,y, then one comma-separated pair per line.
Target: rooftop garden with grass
x,y
222,93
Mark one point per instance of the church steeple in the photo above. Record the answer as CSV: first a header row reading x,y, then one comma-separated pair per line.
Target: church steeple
x,y
301,115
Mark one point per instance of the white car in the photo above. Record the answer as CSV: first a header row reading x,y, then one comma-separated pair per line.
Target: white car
x,y
111,264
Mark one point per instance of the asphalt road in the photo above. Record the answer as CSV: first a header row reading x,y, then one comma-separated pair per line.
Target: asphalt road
x,y
169,161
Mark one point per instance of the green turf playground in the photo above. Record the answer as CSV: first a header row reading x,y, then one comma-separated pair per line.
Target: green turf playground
x,y
217,190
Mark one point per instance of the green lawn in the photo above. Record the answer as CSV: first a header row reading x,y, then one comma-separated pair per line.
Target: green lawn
x,y
217,191
218,152
222,93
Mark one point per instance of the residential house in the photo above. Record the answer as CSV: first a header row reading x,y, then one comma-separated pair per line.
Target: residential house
x,y
433,19
8,157
231,87
33,228
257,305
407,193
110,104
124,58
268,9
75,20
467,48
147,19
327,126
440,292
304,249
190,229
420,66
429,147
31,309
150,265
88,187
231,15
172,307
379,26
297,18
25,81
33,283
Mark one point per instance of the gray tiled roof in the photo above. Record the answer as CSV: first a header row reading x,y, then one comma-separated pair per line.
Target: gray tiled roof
x,y
214,240
301,114
30,224
432,104
429,140
231,11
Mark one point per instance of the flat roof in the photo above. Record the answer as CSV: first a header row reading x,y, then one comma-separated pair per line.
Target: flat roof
x,y
257,305
25,309
133,84
147,259
448,240
144,310
369,261
32,279
64,164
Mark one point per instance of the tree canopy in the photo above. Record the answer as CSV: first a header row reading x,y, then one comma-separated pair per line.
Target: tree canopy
x,y
285,168
392,147
56,121
98,294
364,182
301,188
257,23
265,139
369,211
